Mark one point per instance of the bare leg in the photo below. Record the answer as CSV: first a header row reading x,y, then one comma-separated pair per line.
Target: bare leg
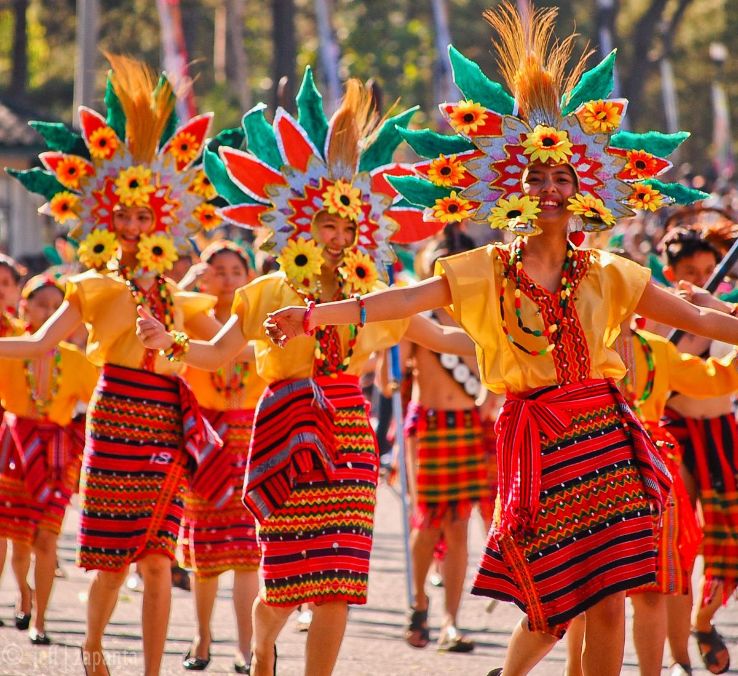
x,y
44,547
703,613
454,568
604,637
574,646
324,638
156,571
20,562
102,597
678,625
245,591
527,648
3,554
649,631
205,590
267,622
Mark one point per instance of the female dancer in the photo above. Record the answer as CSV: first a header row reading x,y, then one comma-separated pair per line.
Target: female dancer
x,y
40,452
312,470
129,185
580,482
222,537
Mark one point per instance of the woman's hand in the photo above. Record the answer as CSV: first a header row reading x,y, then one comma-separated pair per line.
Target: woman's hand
x,y
151,331
698,296
198,274
285,324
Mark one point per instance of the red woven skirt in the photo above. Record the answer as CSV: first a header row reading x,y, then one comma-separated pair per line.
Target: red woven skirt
x,y
133,477
710,453
220,538
452,467
23,510
315,546
589,532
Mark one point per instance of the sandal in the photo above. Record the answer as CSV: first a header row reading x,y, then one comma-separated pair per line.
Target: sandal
x,y
194,663
715,648
453,641
417,634
679,669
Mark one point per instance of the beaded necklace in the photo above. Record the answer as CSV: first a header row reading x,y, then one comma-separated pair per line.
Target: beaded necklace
x,y
231,387
514,270
628,383
42,404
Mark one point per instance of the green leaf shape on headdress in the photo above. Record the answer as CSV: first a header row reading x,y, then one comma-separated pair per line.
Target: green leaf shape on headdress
x,y
173,120
59,137
418,191
595,84
39,181
116,118
430,144
681,194
654,142
260,137
475,85
233,138
310,113
216,172
385,141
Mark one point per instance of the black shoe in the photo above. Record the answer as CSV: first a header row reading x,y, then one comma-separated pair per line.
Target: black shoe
x,y
22,621
495,672
241,667
38,637
192,663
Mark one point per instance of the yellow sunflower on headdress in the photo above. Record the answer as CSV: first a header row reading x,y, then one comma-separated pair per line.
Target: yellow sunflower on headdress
x,y
102,143
446,171
467,116
202,186
207,216
592,208
359,271
451,209
512,211
184,147
598,117
343,199
156,253
133,186
646,197
70,170
547,144
301,260
98,248
64,205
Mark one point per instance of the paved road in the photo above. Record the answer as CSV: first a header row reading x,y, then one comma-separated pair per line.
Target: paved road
x,y
373,643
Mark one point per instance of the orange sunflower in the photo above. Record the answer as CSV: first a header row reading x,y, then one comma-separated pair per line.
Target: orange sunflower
x,y
64,206
70,171
452,209
598,117
646,197
547,144
102,143
184,147
206,215
639,164
592,208
343,199
467,116
446,171
359,271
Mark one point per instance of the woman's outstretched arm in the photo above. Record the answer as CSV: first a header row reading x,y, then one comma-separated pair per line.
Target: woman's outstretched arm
x,y
58,327
394,303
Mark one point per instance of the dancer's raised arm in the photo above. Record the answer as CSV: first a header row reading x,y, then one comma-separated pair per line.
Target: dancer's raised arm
x,y
62,323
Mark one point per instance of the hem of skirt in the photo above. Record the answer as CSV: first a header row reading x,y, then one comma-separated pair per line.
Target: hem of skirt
x,y
138,556
318,600
237,568
711,581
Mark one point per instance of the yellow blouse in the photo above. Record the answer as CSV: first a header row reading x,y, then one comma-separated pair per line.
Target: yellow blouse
x,y
77,379
269,293
208,396
109,312
608,290
676,371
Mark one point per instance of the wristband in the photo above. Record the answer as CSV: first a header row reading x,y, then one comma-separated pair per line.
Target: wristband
x,y
362,309
179,347
306,318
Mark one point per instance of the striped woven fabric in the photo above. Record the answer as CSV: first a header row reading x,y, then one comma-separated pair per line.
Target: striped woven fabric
x,y
452,473
710,448
591,533
217,538
34,489
316,546
133,477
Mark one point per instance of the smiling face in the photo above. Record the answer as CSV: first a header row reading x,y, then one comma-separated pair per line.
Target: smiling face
x,y
553,186
129,224
335,234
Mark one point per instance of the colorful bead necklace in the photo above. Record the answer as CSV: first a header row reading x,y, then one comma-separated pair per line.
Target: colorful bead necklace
x,y
629,384
231,387
42,404
514,270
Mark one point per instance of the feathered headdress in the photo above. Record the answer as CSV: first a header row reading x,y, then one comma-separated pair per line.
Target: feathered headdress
x,y
548,114
280,175
135,156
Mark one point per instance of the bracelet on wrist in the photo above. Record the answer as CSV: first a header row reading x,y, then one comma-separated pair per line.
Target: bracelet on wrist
x,y
306,318
362,309
179,348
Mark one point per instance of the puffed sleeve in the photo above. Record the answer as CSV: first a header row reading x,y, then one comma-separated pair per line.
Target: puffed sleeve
x,y
622,284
